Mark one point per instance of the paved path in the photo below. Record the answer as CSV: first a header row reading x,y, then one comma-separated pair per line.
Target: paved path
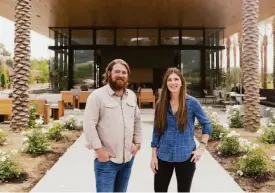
x,y
74,171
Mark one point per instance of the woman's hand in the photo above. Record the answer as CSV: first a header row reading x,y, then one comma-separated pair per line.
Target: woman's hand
x,y
154,164
197,154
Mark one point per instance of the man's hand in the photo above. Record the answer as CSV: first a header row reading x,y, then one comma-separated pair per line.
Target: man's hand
x,y
135,149
103,156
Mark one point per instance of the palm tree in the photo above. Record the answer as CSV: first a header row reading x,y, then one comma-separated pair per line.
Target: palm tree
x,y
274,52
21,64
250,64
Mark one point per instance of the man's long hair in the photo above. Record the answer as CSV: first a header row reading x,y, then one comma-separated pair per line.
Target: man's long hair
x,y
110,66
162,104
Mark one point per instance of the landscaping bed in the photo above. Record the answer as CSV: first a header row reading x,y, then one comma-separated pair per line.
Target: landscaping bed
x,y
242,152
33,160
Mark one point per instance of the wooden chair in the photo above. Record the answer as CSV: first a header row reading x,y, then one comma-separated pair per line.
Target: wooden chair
x,y
56,104
82,98
146,95
42,109
6,107
68,97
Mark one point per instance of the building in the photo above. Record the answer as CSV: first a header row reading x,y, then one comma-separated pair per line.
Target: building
x,y
149,35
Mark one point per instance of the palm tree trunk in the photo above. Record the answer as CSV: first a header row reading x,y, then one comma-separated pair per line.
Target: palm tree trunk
x,y
241,49
250,64
274,53
21,64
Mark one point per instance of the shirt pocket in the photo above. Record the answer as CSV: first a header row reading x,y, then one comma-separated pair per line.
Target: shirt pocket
x,y
130,109
110,108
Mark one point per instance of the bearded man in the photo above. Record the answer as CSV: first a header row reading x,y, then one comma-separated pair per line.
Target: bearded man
x,y
112,128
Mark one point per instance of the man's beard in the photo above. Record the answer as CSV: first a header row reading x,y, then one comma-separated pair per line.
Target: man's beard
x,y
119,83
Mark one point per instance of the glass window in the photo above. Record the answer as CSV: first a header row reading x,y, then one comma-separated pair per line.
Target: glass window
x,y
126,37
214,37
170,37
105,37
82,37
83,68
192,37
60,36
147,37
190,68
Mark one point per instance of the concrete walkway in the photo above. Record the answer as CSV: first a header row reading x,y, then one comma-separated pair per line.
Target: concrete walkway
x,y
74,171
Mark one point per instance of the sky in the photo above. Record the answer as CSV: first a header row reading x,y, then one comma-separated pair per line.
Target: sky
x,y
39,43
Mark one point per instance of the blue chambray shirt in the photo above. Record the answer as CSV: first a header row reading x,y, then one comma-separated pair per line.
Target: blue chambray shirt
x,y
176,146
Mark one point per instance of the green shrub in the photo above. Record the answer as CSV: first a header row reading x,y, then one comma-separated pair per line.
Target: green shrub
x,y
229,146
71,123
3,137
35,141
9,169
32,116
253,164
218,132
55,131
235,117
267,134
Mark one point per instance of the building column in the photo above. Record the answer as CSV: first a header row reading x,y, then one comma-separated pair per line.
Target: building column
x,y
262,63
265,42
228,45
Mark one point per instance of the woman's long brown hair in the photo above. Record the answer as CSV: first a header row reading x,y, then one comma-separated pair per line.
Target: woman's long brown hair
x,y
162,104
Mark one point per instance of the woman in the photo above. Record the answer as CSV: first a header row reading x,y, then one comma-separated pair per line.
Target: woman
x,y
173,144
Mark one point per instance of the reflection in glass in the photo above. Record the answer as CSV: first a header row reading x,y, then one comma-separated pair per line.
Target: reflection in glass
x,y
105,37
192,37
170,37
147,37
83,68
82,37
190,68
126,37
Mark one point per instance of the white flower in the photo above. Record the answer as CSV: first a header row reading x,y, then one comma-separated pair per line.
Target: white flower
x,y
219,153
3,158
271,124
14,151
39,121
260,132
267,109
25,139
44,130
232,133
273,158
240,172
245,156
